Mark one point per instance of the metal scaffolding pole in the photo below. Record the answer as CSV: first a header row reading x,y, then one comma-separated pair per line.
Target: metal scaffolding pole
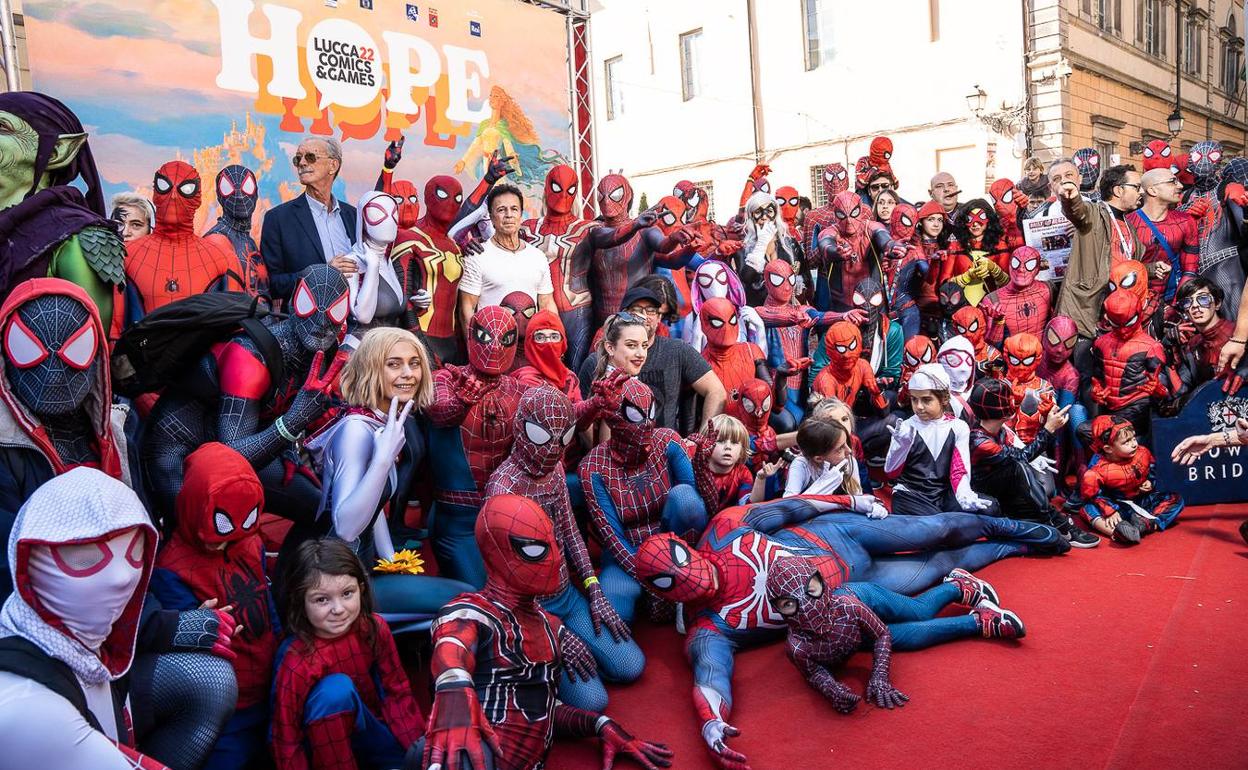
x,y
12,66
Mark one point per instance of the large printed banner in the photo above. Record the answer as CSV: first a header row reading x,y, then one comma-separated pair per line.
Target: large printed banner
x,y
216,82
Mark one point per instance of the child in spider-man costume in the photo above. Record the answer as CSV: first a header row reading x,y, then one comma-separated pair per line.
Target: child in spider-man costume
x,y
715,279
957,357
544,424
1022,305
1132,275
751,403
216,556
850,250
472,415
1118,491
1060,336
882,339
340,694
237,194
497,655
828,626
1034,397
1129,370
847,376
1011,204
638,482
969,322
919,350
722,460
173,262
722,583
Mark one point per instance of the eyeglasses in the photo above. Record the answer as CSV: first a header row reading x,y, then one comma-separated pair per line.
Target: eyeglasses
x,y
1172,180
300,157
642,310
1199,300
880,186
1129,184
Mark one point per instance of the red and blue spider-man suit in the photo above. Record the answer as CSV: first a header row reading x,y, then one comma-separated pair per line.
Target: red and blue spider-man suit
x,y
471,414
1131,275
1127,487
851,250
615,266
919,350
751,403
544,425
1180,232
497,655
1022,305
1157,154
1034,397
913,294
733,362
835,179
1128,366
847,376
216,553
722,583
173,262
638,482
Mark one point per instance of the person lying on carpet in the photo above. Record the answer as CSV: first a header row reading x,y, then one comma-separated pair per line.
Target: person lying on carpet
x,y
721,583
827,626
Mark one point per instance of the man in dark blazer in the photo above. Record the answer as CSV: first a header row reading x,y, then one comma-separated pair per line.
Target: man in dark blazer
x,y
313,228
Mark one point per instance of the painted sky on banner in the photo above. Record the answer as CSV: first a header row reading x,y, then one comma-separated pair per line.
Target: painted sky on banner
x,y
146,78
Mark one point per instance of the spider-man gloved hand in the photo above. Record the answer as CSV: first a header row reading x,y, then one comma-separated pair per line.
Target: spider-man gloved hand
x,y
616,740
206,630
458,729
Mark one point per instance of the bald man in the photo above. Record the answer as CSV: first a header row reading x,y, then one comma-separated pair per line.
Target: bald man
x,y
944,190
1170,237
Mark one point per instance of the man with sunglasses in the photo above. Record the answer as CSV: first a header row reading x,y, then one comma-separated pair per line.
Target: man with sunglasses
x,y
1198,339
1172,243
311,228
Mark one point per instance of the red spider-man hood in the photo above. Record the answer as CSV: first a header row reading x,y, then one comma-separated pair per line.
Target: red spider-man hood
x,y
780,282
443,196
669,568
220,500
697,205
969,322
903,223
560,191
1022,356
1122,311
671,211
835,180
176,193
404,194
492,340
1060,335
547,357
1002,194
517,542
751,404
719,323
797,579
522,308
843,344
918,350
632,425
1157,154
615,198
81,554
1131,275
1106,429
21,427
787,198
847,207
1024,267
544,425
881,153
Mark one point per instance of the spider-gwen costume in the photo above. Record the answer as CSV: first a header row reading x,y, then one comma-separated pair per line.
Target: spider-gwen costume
x,y
716,279
237,194
957,357
1020,306
173,262
472,413
1088,162
851,250
722,583
1129,367
81,554
377,294
544,424
232,399
969,322
497,655
1125,487
638,482
828,626
216,553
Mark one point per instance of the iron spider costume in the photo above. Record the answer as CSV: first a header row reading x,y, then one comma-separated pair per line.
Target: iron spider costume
x,y
854,249
1022,305
722,582
231,398
471,414
1128,366
237,194
1126,487
497,655
1088,161
969,322
1033,396
544,425
638,482
173,262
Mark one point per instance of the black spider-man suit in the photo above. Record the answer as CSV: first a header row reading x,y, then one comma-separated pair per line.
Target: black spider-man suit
x,y
237,193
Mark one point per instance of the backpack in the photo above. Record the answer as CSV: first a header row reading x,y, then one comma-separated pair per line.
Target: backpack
x,y
163,348
22,657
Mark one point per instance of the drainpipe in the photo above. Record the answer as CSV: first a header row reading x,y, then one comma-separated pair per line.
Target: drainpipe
x,y
751,19
12,67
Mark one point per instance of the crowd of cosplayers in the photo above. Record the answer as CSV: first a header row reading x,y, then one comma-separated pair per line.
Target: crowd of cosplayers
x,y
223,463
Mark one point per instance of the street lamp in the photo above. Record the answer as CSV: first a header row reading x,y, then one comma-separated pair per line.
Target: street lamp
x,y
977,100
1175,122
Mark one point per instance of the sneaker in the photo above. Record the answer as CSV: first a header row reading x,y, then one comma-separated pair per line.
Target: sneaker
x,y
1076,536
998,623
1127,533
974,590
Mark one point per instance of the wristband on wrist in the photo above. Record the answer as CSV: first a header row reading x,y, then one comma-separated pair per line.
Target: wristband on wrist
x,y
1238,342
602,722
592,580
283,431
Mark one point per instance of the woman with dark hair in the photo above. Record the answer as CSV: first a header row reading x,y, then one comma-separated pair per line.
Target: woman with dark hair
x,y
978,252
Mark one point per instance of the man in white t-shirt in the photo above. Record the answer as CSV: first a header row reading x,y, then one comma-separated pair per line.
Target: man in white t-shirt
x,y
505,263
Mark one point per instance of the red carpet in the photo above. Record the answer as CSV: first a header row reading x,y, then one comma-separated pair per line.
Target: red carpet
x,y
1134,658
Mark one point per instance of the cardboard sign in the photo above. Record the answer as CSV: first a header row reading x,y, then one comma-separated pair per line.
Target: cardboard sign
x,y
1218,476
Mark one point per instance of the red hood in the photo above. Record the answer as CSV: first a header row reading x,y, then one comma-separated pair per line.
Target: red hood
x,y
218,482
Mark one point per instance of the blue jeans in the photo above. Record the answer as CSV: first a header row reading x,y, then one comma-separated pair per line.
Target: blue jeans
x,y
620,662
372,742
912,621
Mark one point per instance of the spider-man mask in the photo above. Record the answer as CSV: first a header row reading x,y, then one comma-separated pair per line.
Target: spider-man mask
x,y
1002,195
379,217
560,193
53,349
1203,160
518,546
957,356
881,153
843,344
1022,356
751,404
795,589
615,197
405,197
221,498
903,223
862,172
1182,169
1060,336
719,322
1024,266
951,296
780,281
696,203
544,425
671,570
787,198
671,211
1122,312
847,207
1131,275
835,180
1157,154
522,308
492,340
969,322
443,196
1088,161
869,297
632,425
177,194
712,279
918,350
319,307
237,192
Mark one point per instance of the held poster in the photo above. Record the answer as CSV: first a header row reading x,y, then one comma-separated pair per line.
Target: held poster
x,y
215,82
1053,239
